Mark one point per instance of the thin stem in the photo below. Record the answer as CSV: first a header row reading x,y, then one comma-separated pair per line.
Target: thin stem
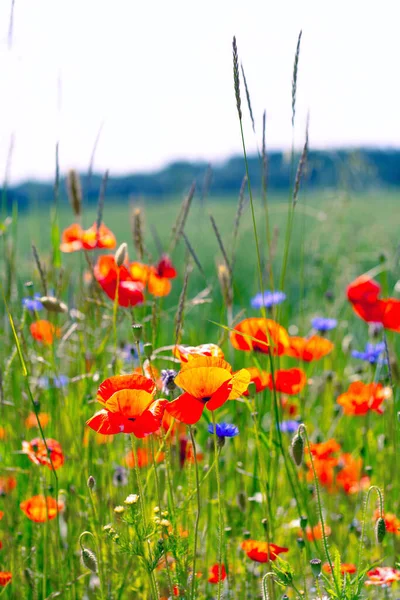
x,y
196,525
220,524
380,497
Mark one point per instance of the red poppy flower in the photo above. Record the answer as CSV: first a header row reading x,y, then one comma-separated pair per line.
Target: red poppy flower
x,y
288,406
315,533
186,453
40,509
290,381
143,456
129,406
309,349
349,478
259,378
324,450
344,568
108,275
75,238
325,470
1,514
37,453
363,294
2,433
184,353
7,484
217,573
32,420
383,576
256,334
262,551
391,521
207,381
44,331
361,398
5,578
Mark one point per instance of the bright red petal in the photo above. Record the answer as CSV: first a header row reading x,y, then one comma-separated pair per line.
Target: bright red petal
x,y
186,408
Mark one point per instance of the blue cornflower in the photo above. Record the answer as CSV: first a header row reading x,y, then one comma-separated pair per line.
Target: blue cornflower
x,y
120,477
323,324
289,426
53,382
129,352
267,299
32,303
167,378
371,354
224,430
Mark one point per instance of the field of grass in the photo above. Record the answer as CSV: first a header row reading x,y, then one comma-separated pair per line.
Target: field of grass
x,y
198,506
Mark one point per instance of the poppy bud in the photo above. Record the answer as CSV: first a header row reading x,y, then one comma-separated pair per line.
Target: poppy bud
x,y
91,482
315,567
241,500
297,449
228,531
89,559
380,530
53,305
148,350
301,543
28,284
137,329
120,254
264,523
246,535
303,522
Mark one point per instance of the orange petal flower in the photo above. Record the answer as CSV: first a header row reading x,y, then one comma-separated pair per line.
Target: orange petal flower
x,y
129,406
143,458
361,398
109,276
184,353
5,578
309,349
349,478
262,551
256,334
75,238
259,378
290,381
217,573
157,278
315,533
324,450
325,470
44,331
344,568
40,509
207,381
7,485
32,420
383,576
391,521
2,433
37,453
363,294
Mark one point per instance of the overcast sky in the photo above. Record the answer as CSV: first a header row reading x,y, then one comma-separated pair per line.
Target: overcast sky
x,y
156,78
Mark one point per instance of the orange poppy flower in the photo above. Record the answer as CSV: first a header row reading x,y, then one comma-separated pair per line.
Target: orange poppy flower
x,y
289,381
7,485
186,453
349,477
344,568
391,521
361,398
37,453
363,294
315,533
32,420
262,551
143,456
256,334
75,238
2,433
207,381
1,514
217,573
184,353
157,278
383,576
325,470
129,406
259,378
5,578
288,406
108,275
40,509
44,331
309,349
324,450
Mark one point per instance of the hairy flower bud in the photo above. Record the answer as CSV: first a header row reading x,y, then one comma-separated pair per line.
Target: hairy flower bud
x,y
91,482
121,254
315,567
89,559
297,449
380,530
52,304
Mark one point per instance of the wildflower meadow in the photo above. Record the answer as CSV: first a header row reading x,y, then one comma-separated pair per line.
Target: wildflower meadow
x,y
199,399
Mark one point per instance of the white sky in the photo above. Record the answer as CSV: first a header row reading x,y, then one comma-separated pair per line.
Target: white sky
x,y
158,74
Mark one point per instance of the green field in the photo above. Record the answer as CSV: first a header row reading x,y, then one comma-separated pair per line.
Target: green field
x,y
336,236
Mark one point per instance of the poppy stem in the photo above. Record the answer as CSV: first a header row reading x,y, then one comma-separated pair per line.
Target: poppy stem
x,y
220,518
115,312
196,525
372,488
